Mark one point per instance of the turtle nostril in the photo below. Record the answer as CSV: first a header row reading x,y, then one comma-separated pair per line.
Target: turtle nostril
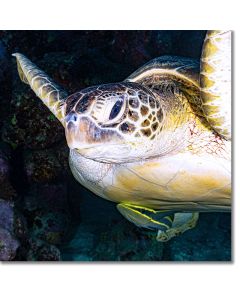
x,y
71,117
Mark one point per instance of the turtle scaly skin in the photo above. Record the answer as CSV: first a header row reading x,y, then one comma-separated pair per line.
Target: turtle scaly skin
x,y
149,143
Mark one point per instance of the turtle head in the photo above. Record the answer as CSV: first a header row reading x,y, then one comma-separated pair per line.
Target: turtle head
x,y
113,122
118,122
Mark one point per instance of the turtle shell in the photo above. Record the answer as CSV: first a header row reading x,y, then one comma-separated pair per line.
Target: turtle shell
x,y
172,74
182,68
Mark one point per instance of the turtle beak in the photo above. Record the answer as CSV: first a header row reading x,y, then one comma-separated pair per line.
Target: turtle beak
x,y
81,132
72,130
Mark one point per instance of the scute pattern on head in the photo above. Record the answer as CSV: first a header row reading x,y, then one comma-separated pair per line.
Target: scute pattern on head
x,y
71,102
141,110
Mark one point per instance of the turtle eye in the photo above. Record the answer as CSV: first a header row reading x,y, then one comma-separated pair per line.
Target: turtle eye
x,y
116,109
109,110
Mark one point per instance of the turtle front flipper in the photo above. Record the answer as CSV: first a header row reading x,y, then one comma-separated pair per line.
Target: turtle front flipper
x,y
168,223
215,81
44,87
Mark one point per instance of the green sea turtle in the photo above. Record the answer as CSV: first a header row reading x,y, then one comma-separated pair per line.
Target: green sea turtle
x,y
159,143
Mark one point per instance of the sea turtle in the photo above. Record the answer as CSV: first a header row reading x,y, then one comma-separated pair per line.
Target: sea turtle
x,y
158,143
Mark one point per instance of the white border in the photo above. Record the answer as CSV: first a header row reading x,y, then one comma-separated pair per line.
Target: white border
x,y
126,281
121,14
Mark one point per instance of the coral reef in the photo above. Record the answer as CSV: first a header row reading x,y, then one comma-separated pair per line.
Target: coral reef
x,y
6,189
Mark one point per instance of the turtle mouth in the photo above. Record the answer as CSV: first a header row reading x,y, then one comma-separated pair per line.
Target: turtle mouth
x,y
113,153
87,149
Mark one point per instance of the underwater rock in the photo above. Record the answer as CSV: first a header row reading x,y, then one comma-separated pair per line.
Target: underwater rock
x,y
81,245
102,234
49,253
6,215
124,242
50,226
8,245
47,211
41,166
117,241
14,231
20,226
41,251
8,242
61,67
61,152
46,197
5,83
30,123
6,189
4,63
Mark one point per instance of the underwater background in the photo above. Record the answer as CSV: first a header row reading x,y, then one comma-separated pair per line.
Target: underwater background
x,y
45,215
